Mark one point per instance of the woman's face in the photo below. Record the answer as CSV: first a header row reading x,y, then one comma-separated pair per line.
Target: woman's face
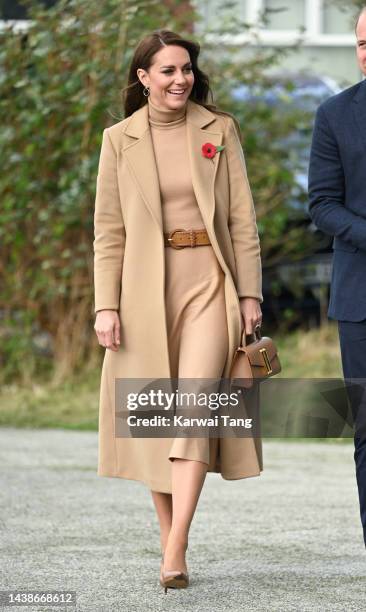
x,y
171,71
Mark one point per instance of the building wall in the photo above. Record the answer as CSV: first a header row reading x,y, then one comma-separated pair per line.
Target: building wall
x,y
328,41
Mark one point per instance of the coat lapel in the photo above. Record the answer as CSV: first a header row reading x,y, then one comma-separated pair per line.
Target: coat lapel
x,y
203,170
141,161
359,109
139,153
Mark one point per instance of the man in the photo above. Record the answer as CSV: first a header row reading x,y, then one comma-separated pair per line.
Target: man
x,y
337,195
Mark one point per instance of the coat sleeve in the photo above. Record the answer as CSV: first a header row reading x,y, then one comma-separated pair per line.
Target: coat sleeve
x,y
327,188
109,231
242,220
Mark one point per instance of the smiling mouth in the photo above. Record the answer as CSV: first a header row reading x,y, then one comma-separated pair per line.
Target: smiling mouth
x,y
178,92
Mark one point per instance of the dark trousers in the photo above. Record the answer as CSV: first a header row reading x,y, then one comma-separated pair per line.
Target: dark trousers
x,y
352,337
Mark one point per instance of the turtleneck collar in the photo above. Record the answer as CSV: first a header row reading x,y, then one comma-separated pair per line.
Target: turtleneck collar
x,y
165,117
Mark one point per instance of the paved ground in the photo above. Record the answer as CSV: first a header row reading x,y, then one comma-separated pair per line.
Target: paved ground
x,y
289,540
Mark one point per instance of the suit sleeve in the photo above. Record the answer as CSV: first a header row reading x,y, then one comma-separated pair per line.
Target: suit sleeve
x,y
109,231
242,220
327,187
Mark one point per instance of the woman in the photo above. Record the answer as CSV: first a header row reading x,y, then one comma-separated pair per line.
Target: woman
x,y
164,311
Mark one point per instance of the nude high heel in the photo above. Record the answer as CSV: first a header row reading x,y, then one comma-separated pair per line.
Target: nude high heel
x,y
172,579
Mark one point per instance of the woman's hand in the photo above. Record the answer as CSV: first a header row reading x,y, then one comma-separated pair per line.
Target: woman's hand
x,y
107,327
251,312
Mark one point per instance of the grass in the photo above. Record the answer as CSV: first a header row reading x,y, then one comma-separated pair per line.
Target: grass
x,y
312,354
74,403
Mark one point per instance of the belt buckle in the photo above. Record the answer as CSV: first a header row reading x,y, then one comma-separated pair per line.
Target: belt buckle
x,y
170,239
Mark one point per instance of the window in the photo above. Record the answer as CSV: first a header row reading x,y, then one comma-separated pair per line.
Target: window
x,y
336,20
321,22
214,13
285,14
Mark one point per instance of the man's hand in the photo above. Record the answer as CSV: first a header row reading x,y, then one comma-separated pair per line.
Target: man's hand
x,y
251,313
107,327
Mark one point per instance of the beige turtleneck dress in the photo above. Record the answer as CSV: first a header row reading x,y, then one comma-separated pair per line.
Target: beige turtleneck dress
x,y
194,280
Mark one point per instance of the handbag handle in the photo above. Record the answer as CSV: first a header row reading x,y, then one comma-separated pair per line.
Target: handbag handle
x,y
256,335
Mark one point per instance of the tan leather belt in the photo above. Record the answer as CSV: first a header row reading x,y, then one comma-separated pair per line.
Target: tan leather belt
x,y
180,238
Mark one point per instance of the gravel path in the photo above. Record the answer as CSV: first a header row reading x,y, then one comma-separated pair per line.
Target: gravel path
x,y
289,540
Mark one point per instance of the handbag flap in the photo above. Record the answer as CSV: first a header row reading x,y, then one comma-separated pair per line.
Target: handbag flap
x,y
254,353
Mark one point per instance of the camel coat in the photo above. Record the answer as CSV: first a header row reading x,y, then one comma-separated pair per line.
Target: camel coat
x,y
129,276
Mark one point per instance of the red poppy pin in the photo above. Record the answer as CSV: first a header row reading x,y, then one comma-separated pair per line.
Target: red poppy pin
x,y
209,150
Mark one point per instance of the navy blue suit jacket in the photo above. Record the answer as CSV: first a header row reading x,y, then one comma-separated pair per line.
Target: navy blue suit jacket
x,y
337,196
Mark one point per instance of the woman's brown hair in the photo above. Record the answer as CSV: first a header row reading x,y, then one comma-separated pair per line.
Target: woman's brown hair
x,y
133,97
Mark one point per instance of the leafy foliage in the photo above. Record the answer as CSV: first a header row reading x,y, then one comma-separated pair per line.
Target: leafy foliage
x,y
60,84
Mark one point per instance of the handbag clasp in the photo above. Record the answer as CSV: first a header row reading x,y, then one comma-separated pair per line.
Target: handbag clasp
x,y
266,360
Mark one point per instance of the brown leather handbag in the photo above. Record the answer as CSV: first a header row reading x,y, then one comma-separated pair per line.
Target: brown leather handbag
x,y
257,360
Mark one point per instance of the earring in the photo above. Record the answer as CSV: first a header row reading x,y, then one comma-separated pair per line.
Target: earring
x,y
146,91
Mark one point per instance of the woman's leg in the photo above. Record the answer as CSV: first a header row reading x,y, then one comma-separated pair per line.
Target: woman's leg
x,y
187,482
175,511
163,505
201,352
